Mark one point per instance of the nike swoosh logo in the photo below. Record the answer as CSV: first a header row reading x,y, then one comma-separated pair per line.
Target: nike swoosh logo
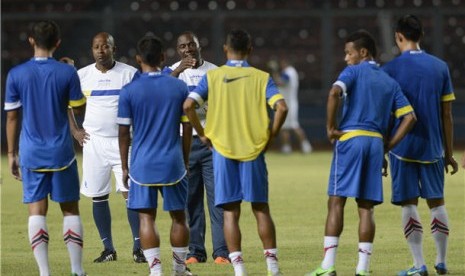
x,y
226,80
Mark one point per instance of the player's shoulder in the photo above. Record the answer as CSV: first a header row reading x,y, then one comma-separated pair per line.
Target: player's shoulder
x,y
208,65
120,66
86,70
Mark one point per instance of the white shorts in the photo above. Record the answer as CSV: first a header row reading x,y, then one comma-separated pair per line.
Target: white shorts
x,y
292,119
100,156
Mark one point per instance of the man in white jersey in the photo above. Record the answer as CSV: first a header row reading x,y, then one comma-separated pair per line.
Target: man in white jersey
x,y
191,69
101,83
288,81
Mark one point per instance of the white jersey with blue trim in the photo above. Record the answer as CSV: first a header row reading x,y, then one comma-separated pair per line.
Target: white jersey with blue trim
x,y
192,78
102,92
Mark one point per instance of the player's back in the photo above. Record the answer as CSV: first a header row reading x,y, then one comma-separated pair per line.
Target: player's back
x,y
370,99
43,87
425,81
155,101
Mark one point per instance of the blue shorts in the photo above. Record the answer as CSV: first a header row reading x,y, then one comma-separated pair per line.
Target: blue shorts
x,y
356,169
63,186
239,180
146,197
412,180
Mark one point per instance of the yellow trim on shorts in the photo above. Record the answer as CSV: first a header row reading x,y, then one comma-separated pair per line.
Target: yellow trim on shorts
x,y
351,134
184,119
404,110
412,160
54,169
448,97
159,184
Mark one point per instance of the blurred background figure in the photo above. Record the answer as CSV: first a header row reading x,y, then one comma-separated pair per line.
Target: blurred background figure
x,y
287,78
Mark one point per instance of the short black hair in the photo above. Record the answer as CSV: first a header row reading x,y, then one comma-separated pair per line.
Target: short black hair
x,y
239,40
410,27
150,48
46,34
363,39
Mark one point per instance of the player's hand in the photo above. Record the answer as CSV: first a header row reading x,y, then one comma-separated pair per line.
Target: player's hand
x,y
187,62
206,141
126,178
13,164
81,136
385,167
450,161
67,60
334,134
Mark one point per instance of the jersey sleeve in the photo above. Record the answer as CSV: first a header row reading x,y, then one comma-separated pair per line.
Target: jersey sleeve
x,y
124,108
76,98
447,91
167,70
12,96
401,105
272,93
346,79
200,93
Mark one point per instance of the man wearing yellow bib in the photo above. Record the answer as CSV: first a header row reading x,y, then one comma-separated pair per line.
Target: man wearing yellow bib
x,y
239,131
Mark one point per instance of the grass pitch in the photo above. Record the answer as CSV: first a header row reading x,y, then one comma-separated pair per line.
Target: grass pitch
x,y
298,204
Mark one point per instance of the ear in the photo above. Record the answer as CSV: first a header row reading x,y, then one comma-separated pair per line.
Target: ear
x,y
31,41
58,43
364,52
139,59
162,58
400,37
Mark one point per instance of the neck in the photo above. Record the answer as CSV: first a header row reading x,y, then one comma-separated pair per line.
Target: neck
x,y
147,68
44,53
236,56
105,67
410,46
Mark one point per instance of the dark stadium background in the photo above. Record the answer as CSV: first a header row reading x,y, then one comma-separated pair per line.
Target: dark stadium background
x,y
310,33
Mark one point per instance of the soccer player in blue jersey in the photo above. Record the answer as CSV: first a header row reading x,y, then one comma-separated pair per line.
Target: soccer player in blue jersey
x,y
191,68
369,97
419,161
43,88
238,127
101,83
153,106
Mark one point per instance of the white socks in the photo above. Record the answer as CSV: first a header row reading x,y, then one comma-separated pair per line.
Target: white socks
x,y
152,255
272,260
440,232
330,247
73,237
38,238
364,254
413,231
238,263
179,259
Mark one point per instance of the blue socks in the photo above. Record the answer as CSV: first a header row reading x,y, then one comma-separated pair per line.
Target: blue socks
x,y
102,218
133,219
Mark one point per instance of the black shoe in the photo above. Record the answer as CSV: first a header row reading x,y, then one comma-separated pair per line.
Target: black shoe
x,y
138,256
106,256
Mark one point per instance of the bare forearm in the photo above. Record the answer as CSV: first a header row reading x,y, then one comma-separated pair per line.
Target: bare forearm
x,y
281,110
12,131
448,129
189,110
186,142
405,126
124,141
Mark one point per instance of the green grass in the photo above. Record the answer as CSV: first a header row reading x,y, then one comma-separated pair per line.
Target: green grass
x,y
298,203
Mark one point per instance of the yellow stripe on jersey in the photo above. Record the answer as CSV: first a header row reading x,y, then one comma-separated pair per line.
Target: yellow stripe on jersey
x,y
402,111
355,133
274,99
86,92
184,119
77,103
237,117
55,169
448,97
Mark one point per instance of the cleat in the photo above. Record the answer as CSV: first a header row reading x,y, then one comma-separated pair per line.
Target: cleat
x,y
222,260
75,274
441,269
323,272
192,260
422,271
106,256
138,256
362,273
187,272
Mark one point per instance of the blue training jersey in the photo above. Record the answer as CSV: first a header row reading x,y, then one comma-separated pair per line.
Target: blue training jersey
x,y
152,104
44,88
426,82
371,97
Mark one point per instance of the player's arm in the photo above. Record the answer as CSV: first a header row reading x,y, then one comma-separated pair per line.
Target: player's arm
x,y
78,133
280,115
332,107
187,62
448,134
406,124
124,140
186,142
189,110
12,128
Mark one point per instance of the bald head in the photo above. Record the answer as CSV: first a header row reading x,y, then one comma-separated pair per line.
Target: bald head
x,y
103,49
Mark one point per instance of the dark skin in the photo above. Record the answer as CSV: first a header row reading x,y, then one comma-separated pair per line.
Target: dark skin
x,y
188,49
336,204
232,211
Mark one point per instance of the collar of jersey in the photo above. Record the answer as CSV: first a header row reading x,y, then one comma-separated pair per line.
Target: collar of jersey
x,y
152,74
237,63
413,52
41,58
